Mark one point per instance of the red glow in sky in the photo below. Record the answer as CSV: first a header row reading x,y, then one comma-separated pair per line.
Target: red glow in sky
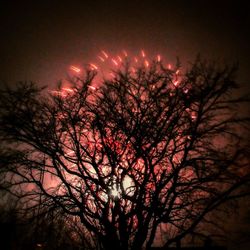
x,y
107,62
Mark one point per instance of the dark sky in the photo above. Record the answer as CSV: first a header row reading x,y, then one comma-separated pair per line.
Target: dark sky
x,y
40,39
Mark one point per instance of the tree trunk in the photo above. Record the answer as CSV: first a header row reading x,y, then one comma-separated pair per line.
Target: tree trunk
x,y
111,242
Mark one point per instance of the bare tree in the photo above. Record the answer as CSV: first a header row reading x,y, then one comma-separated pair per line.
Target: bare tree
x,y
47,230
150,147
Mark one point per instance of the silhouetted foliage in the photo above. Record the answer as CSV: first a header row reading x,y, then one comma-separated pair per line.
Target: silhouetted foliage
x,y
149,148
47,230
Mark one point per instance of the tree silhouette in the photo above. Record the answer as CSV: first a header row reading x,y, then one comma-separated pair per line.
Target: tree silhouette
x,y
150,147
48,230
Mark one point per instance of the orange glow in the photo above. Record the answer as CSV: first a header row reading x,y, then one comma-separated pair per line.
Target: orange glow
x,y
143,53
146,63
158,58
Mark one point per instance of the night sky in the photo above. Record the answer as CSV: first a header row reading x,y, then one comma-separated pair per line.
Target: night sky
x,y
39,40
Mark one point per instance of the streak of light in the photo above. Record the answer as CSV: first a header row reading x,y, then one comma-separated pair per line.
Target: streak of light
x,y
158,58
119,58
136,60
193,115
125,53
104,53
169,66
176,83
143,53
93,66
68,89
76,69
92,87
70,153
114,61
101,58
146,63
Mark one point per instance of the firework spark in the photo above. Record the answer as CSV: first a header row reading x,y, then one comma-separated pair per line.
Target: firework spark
x,y
68,90
125,53
75,69
143,54
115,62
146,63
93,66
105,54
106,62
101,58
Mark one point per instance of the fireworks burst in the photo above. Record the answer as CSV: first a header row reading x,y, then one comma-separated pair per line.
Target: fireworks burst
x,y
106,64
106,60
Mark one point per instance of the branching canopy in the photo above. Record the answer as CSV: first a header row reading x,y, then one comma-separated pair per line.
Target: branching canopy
x,y
148,148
